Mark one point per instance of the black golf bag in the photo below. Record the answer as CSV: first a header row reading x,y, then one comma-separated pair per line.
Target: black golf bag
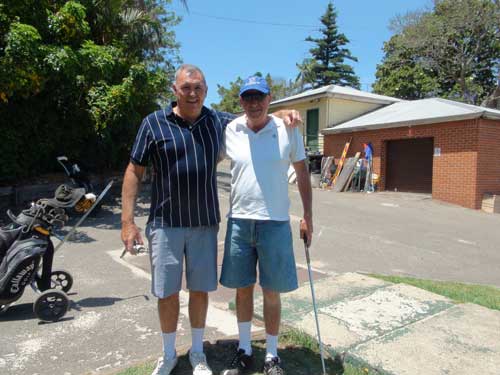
x,y
27,252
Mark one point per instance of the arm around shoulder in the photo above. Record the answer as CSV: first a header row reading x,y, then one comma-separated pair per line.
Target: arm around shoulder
x,y
290,117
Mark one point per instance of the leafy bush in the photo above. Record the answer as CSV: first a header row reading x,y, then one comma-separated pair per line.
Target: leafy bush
x,y
76,77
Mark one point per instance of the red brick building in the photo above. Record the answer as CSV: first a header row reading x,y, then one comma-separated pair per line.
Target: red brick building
x,y
437,146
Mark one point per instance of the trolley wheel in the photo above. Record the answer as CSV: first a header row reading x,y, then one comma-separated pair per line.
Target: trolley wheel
x,y
4,308
51,306
61,280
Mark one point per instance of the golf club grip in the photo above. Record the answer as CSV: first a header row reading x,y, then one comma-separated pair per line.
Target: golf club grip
x,y
304,237
308,258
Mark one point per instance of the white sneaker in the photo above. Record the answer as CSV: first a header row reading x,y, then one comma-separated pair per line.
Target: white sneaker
x,y
199,363
164,367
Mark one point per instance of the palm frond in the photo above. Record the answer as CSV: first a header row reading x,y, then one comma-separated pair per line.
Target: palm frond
x,y
131,15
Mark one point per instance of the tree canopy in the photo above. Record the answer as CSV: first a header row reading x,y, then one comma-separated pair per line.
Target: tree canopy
x,y
452,51
402,75
76,77
327,64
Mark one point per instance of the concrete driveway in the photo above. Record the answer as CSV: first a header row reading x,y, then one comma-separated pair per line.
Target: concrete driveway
x,y
404,234
113,321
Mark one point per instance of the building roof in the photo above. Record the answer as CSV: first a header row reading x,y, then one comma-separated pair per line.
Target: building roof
x,y
417,112
341,92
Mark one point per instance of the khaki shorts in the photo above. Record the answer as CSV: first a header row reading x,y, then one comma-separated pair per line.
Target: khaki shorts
x,y
170,246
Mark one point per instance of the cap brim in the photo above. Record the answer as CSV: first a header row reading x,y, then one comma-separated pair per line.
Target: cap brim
x,y
254,87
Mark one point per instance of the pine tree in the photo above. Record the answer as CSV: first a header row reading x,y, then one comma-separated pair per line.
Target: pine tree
x,y
327,65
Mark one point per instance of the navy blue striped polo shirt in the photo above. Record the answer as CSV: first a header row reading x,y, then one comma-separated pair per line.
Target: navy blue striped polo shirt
x,y
184,158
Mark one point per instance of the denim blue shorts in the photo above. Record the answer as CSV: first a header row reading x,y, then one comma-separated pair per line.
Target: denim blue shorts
x,y
269,242
168,248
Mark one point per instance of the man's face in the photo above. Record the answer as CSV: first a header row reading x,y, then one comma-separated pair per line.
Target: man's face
x,y
255,104
190,91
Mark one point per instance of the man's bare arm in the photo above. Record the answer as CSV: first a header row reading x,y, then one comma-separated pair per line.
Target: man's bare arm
x,y
305,190
130,190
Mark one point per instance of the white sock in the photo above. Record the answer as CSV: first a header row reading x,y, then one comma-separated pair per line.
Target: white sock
x,y
197,340
245,328
271,346
168,345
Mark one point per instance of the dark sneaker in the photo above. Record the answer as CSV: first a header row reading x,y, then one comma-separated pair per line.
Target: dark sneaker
x,y
273,367
239,363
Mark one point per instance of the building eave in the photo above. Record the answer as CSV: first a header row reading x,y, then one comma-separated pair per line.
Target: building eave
x,y
306,99
333,95
401,124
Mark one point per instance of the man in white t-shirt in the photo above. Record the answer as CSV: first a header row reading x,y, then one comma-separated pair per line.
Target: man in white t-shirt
x,y
261,149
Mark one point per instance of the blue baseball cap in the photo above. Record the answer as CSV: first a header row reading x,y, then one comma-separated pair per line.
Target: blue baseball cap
x,y
255,83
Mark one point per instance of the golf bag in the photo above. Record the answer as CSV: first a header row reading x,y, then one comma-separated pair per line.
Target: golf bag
x,y
27,252
20,262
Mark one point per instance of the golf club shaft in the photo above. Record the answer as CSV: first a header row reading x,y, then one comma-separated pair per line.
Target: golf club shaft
x,y
314,304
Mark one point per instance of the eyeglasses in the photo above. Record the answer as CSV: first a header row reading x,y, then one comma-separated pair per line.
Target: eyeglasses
x,y
258,97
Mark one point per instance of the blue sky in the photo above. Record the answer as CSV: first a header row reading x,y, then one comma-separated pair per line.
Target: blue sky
x,y
225,49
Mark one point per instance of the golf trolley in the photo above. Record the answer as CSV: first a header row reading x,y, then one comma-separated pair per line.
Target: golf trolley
x,y
27,251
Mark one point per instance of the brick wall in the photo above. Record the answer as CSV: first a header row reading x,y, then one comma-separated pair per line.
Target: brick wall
x,y
455,173
488,173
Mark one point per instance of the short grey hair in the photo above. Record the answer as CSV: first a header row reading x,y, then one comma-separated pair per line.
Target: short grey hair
x,y
189,69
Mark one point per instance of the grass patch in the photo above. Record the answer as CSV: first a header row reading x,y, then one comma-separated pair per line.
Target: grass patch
x,y
145,369
298,351
487,296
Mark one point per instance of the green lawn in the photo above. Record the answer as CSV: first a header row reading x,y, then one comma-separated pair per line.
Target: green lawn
x,y
486,296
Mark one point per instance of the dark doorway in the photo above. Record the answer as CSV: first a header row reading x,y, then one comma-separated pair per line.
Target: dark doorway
x,y
409,165
312,129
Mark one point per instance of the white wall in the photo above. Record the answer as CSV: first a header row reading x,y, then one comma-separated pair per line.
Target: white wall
x,y
332,111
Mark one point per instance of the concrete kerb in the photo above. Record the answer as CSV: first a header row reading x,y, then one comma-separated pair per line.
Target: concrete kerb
x,y
398,329
300,301
462,340
342,297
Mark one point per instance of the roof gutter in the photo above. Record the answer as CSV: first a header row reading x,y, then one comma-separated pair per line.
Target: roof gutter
x,y
336,130
305,99
362,98
491,116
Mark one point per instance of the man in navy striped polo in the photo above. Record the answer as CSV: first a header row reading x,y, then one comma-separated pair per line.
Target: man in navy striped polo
x,y
183,143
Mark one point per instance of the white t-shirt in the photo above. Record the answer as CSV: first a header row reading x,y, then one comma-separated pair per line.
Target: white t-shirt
x,y
259,165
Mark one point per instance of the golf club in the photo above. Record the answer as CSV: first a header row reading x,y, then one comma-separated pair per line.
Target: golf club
x,y
338,360
314,303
